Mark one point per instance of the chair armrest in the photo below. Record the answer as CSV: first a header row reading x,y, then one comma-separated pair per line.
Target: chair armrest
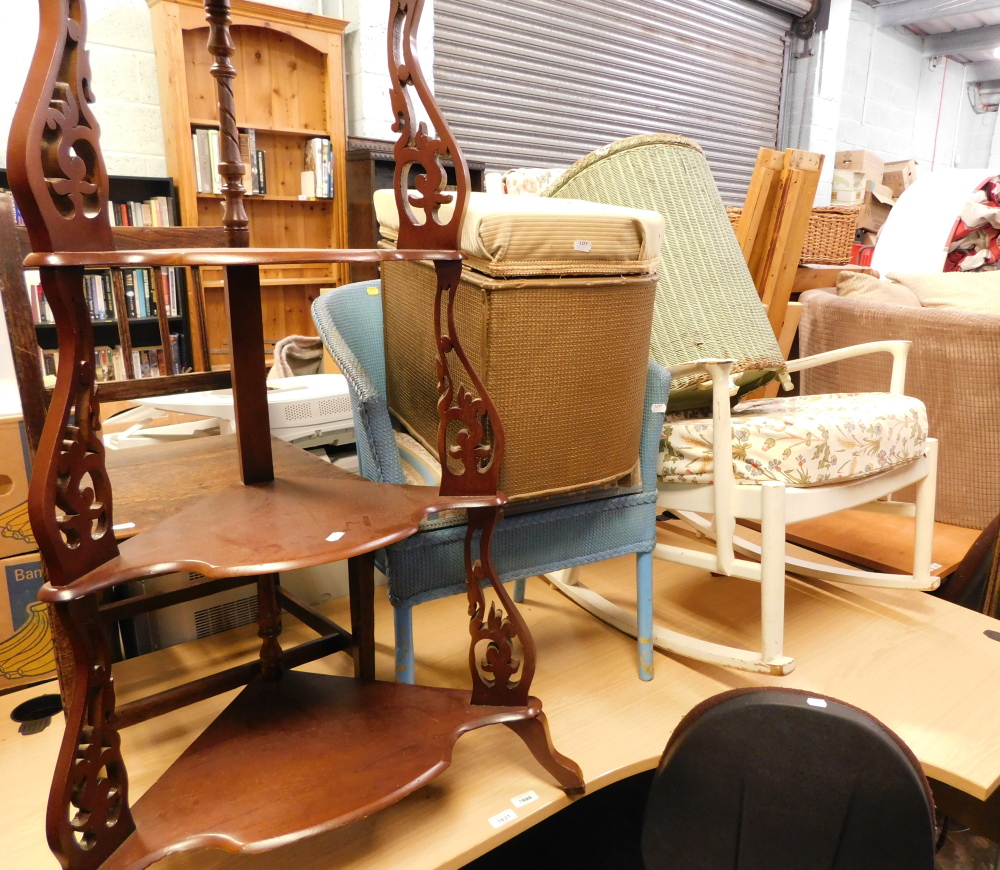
x,y
653,413
230,257
898,349
378,454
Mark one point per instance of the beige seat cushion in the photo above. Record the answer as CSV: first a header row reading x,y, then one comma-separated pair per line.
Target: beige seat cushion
x,y
522,236
968,291
800,440
858,285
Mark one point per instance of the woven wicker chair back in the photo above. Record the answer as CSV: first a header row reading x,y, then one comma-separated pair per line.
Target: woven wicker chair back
x,y
706,304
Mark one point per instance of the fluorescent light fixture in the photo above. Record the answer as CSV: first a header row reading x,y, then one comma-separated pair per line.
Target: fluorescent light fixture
x,y
996,52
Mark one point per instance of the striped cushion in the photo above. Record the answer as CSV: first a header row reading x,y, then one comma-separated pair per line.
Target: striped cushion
x,y
523,236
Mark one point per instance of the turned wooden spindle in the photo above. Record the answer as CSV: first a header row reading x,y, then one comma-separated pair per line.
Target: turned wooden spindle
x,y
222,48
269,626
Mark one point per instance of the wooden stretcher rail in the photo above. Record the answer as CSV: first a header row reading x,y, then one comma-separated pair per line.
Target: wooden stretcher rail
x,y
229,257
224,681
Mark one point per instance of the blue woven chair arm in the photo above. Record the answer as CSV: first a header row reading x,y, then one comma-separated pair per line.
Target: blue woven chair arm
x,y
657,393
378,455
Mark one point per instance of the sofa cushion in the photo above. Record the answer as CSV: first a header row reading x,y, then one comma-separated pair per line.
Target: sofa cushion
x,y
524,236
969,291
858,285
800,440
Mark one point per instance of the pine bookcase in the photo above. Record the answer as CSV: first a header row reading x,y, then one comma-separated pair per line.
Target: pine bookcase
x,y
289,89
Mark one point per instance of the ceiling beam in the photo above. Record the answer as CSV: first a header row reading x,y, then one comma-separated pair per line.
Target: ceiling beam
x,y
960,41
914,11
987,71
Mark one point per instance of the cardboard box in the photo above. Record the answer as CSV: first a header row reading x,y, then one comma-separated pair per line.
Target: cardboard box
x,y
849,187
26,652
867,162
15,471
875,209
899,175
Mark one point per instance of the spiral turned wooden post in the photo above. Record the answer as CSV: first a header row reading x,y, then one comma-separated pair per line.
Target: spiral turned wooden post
x,y
220,44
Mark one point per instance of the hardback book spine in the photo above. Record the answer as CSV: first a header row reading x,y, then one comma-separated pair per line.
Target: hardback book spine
x,y
245,153
140,294
128,279
199,179
208,173
118,361
109,296
216,153
261,174
151,304
175,352
251,162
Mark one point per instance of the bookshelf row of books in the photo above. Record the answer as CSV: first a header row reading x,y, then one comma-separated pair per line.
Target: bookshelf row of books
x,y
208,155
319,162
109,362
155,212
140,299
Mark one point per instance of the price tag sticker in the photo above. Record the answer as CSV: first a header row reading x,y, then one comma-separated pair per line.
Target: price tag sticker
x,y
583,247
501,819
522,800
373,291
658,408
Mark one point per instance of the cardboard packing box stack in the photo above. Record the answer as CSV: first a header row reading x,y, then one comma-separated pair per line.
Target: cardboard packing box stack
x,y
899,175
26,653
863,180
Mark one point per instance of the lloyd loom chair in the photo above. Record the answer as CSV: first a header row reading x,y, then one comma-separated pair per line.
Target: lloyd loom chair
x,y
530,543
291,511
765,460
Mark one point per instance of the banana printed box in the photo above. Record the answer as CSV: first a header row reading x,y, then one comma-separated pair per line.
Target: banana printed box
x,y
15,471
26,652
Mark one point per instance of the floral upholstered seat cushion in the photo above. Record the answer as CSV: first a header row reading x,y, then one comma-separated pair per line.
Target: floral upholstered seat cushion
x,y
799,440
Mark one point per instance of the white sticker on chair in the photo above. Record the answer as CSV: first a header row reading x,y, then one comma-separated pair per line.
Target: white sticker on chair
x,y
501,819
815,702
522,800
583,247
120,527
336,536
659,408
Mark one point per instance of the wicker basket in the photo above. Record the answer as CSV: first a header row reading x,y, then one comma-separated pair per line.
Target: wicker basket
x,y
830,238
564,360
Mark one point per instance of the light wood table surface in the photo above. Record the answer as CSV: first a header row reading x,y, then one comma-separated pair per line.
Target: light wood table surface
x,y
924,667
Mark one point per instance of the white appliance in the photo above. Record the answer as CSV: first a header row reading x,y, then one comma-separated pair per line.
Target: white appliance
x,y
309,411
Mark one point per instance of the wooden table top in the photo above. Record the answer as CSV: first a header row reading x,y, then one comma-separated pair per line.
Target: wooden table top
x,y
922,666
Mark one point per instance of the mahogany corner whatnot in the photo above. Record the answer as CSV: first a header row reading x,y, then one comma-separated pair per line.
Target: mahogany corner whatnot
x,y
295,753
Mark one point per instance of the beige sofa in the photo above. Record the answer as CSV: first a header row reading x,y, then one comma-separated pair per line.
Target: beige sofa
x,y
954,368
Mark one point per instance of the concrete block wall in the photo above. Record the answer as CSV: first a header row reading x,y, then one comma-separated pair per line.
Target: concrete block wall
x,y
895,104
858,86
369,110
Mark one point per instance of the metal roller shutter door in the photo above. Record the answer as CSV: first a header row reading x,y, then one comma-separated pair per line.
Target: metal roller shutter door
x,y
544,82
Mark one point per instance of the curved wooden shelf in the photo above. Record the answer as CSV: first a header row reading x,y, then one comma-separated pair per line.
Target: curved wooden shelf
x,y
301,520
325,751
231,257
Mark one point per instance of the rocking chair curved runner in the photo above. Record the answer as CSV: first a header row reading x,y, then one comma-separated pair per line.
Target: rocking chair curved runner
x,y
291,511
711,333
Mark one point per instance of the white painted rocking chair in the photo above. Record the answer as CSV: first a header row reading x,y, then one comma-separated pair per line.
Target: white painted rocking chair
x,y
707,305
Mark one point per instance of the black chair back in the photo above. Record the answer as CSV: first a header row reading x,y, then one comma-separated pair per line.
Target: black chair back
x,y
778,779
